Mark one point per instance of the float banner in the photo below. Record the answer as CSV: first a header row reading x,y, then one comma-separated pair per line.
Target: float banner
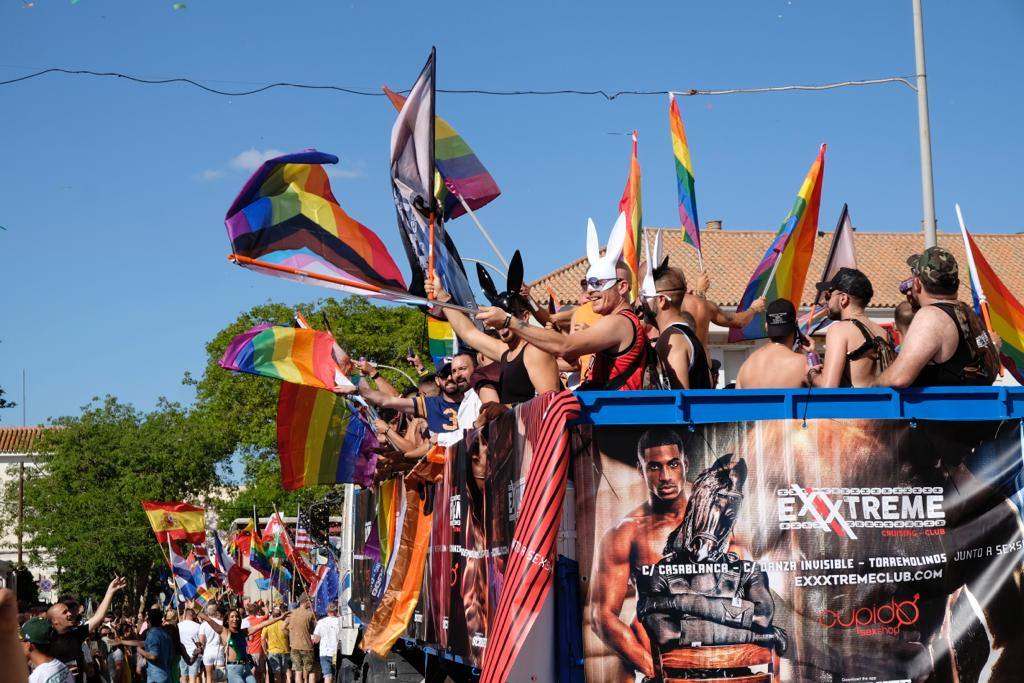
x,y
776,551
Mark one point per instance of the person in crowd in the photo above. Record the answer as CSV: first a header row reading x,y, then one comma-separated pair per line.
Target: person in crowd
x,y
37,637
946,344
255,616
158,650
448,414
300,625
188,636
234,639
616,339
705,311
857,349
71,634
209,640
776,364
524,370
903,314
326,635
275,641
684,363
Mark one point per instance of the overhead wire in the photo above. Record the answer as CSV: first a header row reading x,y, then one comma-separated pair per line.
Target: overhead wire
x,y
608,95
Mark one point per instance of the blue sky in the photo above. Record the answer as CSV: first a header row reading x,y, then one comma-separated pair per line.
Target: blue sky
x,y
114,193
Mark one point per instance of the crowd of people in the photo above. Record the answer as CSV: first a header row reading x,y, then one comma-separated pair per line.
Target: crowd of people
x,y
659,339
236,644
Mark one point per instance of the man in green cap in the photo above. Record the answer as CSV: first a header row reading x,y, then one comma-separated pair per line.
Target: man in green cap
x,y
946,344
37,637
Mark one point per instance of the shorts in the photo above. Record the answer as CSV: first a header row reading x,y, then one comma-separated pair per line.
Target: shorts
x,y
192,669
302,661
278,663
327,666
215,658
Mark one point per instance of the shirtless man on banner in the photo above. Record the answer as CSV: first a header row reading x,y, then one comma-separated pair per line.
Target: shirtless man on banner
x,y
639,539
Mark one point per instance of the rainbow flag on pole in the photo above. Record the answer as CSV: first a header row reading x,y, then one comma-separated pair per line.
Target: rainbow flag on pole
x,y
460,170
440,339
684,177
301,356
783,270
630,205
1005,312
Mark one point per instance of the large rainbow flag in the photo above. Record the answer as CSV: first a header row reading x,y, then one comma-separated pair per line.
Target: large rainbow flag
x,y
1005,311
287,219
440,339
460,170
783,270
630,205
684,177
301,356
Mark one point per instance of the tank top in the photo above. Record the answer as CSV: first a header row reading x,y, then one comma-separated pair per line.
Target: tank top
x,y
700,373
514,385
949,372
622,370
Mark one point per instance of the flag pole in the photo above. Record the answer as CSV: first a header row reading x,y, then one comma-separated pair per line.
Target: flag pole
x,y
828,264
973,269
480,227
433,164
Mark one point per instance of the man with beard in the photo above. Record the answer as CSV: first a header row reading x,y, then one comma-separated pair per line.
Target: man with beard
x,y
683,359
639,540
857,349
447,414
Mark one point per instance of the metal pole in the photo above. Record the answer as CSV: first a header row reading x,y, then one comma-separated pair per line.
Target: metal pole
x,y
924,132
21,481
483,231
493,267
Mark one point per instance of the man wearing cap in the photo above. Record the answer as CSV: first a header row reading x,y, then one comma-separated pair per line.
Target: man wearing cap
x,y
776,364
946,345
70,634
37,637
857,349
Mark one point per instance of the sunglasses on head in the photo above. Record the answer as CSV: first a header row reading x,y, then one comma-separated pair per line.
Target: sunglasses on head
x,y
595,284
906,285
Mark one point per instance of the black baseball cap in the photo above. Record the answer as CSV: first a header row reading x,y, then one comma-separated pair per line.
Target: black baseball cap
x,y
849,281
780,318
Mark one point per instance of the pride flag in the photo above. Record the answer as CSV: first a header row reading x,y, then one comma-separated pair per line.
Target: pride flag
x,y
258,558
300,356
460,170
1005,311
630,205
287,219
684,176
440,339
176,521
783,270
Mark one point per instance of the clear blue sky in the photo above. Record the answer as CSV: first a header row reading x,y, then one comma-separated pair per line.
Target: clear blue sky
x,y
114,274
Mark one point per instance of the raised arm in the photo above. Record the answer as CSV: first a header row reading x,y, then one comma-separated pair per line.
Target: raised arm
x,y
369,370
218,628
462,326
611,331
735,320
377,398
252,630
117,584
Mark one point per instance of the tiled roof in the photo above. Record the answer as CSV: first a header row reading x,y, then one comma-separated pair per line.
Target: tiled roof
x,y
20,439
730,256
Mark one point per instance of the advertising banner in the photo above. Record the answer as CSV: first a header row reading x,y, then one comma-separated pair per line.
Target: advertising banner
x,y
826,550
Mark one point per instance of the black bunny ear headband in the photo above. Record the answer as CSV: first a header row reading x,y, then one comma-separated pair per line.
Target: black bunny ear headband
x,y
510,301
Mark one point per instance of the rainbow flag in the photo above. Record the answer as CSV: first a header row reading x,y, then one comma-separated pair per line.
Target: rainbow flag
x,y
684,176
460,171
310,430
440,339
287,217
630,205
301,356
783,270
1006,313
258,558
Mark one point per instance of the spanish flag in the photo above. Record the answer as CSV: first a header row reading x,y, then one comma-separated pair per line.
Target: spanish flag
x,y
176,521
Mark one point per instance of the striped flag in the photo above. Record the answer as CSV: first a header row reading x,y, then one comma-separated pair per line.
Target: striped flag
x,y
684,176
184,580
302,542
235,575
630,205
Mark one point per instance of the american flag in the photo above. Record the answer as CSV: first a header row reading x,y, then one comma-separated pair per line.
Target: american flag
x,y
302,540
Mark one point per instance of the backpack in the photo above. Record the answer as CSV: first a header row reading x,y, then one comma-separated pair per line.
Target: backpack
x,y
885,350
983,363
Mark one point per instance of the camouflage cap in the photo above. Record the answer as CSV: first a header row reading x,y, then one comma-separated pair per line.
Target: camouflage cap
x,y
936,267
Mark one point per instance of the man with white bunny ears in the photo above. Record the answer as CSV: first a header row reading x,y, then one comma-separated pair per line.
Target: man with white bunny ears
x,y
617,340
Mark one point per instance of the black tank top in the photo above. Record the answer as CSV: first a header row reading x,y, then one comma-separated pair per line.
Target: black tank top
x,y
515,385
949,372
700,372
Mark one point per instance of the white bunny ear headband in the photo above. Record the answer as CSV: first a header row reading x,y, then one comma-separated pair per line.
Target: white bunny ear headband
x,y
603,267
654,263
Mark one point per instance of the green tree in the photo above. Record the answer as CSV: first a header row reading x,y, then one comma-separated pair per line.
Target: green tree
x,y
28,589
4,403
83,506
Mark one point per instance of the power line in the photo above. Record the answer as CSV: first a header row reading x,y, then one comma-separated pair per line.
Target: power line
x,y
608,95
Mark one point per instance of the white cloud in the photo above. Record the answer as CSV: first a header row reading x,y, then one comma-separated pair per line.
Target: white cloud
x,y
209,175
250,159
343,173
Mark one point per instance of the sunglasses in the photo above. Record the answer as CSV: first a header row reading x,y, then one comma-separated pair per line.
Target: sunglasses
x,y
906,285
593,284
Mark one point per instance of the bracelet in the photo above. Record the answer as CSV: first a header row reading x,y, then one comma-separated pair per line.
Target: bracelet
x,y
508,321
375,375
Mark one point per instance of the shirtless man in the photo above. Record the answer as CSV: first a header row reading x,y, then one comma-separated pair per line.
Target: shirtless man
x,y
857,349
639,539
777,365
705,311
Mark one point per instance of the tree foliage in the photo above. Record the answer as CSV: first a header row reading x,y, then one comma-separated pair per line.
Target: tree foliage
x,y
83,506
